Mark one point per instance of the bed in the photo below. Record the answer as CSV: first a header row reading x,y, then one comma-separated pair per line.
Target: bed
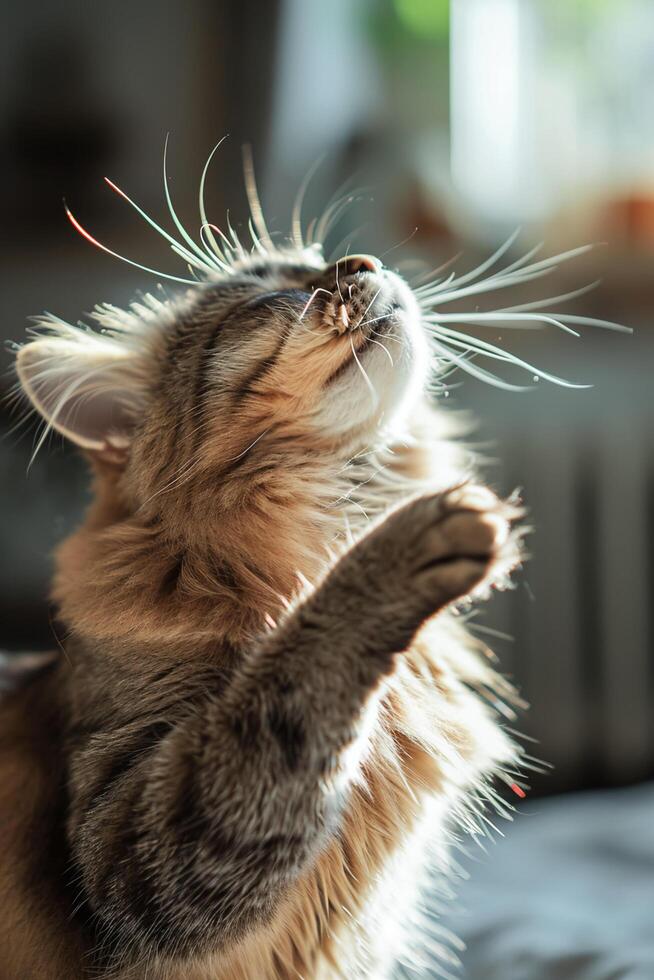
x,y
567,894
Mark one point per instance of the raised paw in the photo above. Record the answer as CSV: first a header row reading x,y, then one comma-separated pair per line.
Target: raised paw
x,y
444,547
470,543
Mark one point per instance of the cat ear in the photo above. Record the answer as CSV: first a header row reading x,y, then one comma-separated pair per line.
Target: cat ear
x,y
86,385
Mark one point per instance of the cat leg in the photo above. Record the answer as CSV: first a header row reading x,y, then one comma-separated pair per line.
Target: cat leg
x,y
204,829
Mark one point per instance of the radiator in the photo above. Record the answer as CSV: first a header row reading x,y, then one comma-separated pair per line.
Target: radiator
x,y
580,619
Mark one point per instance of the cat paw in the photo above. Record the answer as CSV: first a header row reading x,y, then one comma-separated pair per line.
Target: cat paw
x,y
471,543
453,545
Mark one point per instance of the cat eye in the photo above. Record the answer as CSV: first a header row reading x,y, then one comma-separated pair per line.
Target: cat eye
x,y
278,297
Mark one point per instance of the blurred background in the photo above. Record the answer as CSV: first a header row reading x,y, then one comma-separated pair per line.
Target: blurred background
x,y
451,125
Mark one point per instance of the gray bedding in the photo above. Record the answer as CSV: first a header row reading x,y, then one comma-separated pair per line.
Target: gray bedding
x,y
568,894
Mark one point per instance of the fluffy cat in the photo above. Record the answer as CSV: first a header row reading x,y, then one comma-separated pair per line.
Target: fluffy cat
x,y
266,712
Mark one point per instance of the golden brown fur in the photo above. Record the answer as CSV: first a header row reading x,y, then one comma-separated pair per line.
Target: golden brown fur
x,y
233,626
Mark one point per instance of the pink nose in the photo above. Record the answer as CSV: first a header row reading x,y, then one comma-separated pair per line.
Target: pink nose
x,y
352,264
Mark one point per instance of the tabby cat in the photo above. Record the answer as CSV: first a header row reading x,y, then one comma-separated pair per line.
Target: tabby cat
x,y
267,712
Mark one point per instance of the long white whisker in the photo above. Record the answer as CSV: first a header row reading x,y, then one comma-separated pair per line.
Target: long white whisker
x,y
427,277
387,335
194,464
193,263
550,300
343,192
489,262
183,252
178,224
470,368
553,260
179,479
237,241
448,336
522,261
255,239
331,216
485,286
496,317
222,263
592,321
229,248
85,234
247,449
518,272
296,214
311,227
253,199
345,243
201,203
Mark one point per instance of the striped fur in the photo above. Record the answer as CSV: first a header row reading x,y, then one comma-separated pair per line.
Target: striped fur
x,y
267,717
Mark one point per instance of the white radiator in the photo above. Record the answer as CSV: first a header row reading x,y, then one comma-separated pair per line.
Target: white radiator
x,y
581,617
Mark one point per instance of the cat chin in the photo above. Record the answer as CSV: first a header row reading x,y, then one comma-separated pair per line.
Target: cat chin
x,y
382,386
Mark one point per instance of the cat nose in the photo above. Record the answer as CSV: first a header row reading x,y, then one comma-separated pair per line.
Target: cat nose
x,y
351,264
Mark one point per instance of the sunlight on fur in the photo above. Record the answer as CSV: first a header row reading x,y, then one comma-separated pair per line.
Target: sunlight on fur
x,y
270,720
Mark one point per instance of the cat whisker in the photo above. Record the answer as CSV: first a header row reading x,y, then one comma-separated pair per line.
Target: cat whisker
x,y
206,230
548,301
179,249
319,289
428,277
202,208
376,319
233,235
487,263
332,215
296,214
93,241
256,242
506,319
178,224
369,384
385,350
256,210
399,244
362,322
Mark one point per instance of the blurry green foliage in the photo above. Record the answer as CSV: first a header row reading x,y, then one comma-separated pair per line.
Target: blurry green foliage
x,y
425,18
399,25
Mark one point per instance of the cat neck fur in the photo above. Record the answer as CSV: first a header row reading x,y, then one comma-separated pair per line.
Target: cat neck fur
x,y
216,562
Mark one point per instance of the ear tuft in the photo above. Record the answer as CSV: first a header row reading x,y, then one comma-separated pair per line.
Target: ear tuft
x,y
88,386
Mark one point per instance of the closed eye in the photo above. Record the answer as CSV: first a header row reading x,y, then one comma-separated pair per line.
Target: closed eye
x,y
279,299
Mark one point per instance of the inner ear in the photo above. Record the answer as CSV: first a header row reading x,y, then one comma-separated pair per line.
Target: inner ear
x,y
87,391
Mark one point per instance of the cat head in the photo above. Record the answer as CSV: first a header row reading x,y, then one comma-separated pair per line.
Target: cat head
x,y
285,349
274,356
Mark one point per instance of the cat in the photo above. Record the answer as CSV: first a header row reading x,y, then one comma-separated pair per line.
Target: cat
x,y
268,716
